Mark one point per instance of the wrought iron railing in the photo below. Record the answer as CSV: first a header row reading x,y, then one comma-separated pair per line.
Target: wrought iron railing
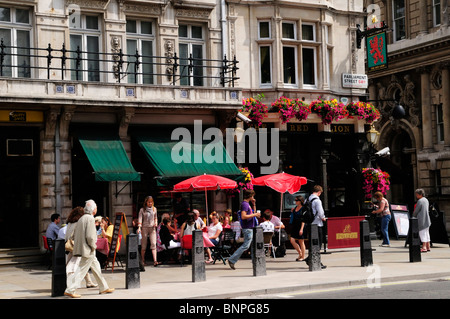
x,y
77,65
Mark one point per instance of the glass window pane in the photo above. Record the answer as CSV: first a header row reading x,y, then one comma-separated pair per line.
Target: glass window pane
x,y
22,16
146,27
5,14
5,35
131,51
265,65
23,53
197,32
308,66
75,42
93,56
289,65
147,62
131,26
182,31
197,53
399,8
288,31
184,80
264,29
307,32
92,22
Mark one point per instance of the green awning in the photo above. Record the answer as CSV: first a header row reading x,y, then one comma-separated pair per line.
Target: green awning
x,y
176,160
107,156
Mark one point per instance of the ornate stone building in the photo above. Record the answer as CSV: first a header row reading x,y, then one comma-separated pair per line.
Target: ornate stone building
x,y
417,78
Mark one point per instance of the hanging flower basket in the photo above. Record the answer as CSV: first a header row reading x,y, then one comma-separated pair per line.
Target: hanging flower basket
x,y
375,180
255,108
246,184
363,110
328,110
289,109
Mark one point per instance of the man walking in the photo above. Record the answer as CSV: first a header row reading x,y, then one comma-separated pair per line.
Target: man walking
x,y
319,214
85,238
248,222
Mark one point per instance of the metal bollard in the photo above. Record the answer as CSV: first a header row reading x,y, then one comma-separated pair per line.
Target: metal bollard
x,y
198,257
414,240
314,249
258,254
59,277
132,276
365,244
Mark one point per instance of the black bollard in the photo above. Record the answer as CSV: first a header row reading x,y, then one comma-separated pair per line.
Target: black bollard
x,y
258,254
414,240
132,276
365,245
59,277
198,256
314,261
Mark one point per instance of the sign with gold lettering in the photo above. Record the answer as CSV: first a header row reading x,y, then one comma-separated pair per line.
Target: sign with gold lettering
x,y
342,128
301,128
343,232
21,116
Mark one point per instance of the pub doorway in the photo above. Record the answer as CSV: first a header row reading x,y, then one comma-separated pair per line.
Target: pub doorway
x,y
19,171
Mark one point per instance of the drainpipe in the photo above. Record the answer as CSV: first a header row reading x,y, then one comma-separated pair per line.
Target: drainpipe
x,y
57,168
223,20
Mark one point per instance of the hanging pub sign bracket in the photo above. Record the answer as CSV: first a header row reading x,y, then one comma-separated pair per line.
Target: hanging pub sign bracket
x,y
368,32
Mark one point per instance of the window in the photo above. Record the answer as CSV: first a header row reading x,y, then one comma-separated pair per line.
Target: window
x,y
140,40
436,12
399,20
288,30
191,46
15,31
440,123
265,54
84,46
309,54
289,33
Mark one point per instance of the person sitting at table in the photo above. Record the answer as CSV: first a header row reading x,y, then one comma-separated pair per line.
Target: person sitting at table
x,y
225,220
188,226
166,237
106,229
214,230
237,228
198,220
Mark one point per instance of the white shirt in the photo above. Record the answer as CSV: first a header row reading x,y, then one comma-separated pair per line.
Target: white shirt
x,y
212,229
267,226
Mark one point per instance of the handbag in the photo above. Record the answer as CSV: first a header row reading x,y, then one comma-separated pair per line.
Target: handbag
x,y
69,245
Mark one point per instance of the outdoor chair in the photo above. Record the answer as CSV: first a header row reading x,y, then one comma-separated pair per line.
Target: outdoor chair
x,y
268,243
186,246
48,245
223,249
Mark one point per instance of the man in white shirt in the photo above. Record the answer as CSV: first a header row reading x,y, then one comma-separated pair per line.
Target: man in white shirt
x,y
319,213
267,225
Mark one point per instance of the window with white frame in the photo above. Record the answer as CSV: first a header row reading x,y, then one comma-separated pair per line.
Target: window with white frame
x,y
289,53
436,12
85,46
191,53
309,53
15,34
440,123
140,43
265,54
399,14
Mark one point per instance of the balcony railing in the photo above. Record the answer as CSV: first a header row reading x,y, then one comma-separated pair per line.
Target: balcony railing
x,y
78,65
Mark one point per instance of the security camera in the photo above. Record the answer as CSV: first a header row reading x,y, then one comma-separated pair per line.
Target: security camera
x,y
243,118
383,152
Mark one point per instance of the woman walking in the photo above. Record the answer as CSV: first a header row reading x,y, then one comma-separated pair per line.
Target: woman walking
x,y
383,211
297,232
423,218
147,223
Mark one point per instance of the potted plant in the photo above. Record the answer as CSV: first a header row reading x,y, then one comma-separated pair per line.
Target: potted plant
x,y
363,110
289,109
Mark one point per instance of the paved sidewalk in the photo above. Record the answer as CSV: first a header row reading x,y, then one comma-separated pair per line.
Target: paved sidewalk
x,y
283,275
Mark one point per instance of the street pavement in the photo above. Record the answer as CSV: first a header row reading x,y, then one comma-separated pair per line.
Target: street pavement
x,y
282,275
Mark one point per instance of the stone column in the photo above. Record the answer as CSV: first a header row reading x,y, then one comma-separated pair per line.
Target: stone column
x,y
426,110
423,17
446,103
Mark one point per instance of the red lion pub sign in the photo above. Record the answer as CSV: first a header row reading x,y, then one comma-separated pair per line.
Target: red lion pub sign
x,y
376,51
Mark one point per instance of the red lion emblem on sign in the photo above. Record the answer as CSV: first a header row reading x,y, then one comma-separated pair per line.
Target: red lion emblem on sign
x,y
376,45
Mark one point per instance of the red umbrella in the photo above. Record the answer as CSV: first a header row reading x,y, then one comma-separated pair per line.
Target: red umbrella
x,y
282,183
205,182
